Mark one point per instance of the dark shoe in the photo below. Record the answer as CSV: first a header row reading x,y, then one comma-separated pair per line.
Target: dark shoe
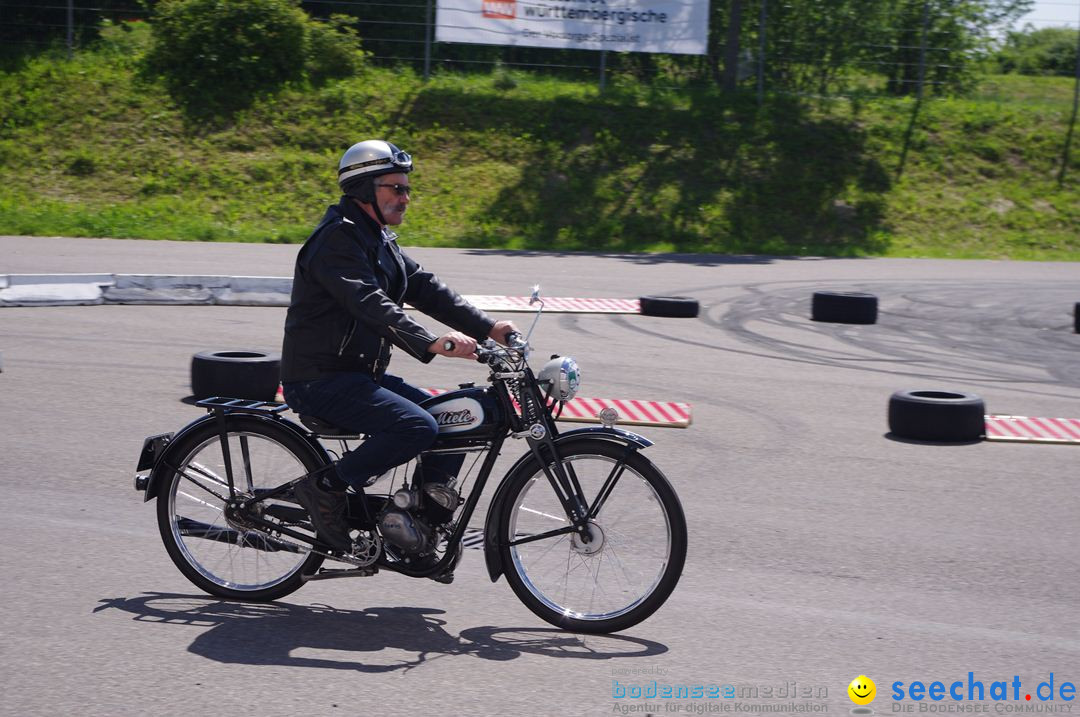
x,y
327,511
447,575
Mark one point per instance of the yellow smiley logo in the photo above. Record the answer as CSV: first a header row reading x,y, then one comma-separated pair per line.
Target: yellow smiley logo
x,y
862,690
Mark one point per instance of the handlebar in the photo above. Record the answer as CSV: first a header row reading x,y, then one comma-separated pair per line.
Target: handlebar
x,y
514,340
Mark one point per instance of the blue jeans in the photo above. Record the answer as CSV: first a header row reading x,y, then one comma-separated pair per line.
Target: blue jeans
x,y
385,411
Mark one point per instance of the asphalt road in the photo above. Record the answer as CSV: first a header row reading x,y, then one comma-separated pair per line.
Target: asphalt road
x,y
820,547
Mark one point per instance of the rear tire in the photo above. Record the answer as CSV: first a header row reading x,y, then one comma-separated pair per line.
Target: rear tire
x,y
214,553
628,569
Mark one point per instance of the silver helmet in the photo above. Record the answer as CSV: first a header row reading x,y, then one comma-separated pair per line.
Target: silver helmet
x,y
371,158
563,375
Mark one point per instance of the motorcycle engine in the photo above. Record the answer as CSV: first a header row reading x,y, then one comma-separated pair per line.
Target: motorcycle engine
x,y
441,502
405,531
407,519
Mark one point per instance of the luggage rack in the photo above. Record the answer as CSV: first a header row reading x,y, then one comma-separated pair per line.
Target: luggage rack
x,y
222,404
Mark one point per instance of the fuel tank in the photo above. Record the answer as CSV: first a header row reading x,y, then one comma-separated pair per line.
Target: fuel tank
x,y
467,415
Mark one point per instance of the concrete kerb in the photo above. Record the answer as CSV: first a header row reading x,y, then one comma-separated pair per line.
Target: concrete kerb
x,y
53,289
89,289
255,291
210,289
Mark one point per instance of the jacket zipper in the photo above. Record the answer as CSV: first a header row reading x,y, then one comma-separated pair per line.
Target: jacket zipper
x,y
348,337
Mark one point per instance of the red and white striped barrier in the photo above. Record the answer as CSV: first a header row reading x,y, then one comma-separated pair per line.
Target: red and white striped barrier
x,y
1024,429
557,305
661,414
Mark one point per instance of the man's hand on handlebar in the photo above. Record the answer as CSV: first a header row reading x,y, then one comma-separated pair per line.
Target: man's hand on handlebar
x,y
454,345
502,330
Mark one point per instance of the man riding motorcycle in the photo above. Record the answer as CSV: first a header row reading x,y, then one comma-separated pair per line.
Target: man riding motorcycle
x,y
345,315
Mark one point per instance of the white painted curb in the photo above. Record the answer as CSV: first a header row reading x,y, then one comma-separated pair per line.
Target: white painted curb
x,y
89,289
51,295
26,279
214,290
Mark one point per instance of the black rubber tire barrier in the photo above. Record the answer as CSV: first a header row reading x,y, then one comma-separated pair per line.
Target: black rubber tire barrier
x,y
844,307
679,307
251,375
943,416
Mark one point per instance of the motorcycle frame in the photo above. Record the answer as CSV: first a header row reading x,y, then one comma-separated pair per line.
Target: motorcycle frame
x,y
543,444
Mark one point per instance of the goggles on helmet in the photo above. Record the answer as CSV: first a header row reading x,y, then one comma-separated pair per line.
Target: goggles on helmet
x,y
400,159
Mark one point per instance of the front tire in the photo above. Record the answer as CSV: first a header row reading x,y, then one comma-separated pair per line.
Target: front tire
x,y
220,555
633,560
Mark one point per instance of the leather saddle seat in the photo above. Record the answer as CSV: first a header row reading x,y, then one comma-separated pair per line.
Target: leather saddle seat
x,y
324,429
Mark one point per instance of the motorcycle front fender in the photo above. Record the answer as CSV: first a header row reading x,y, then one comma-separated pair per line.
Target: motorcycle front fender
x,y
492,556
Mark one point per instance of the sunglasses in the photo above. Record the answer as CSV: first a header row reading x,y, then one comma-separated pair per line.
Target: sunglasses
x,y
402,190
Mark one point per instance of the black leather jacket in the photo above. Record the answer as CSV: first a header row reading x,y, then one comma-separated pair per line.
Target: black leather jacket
x,y
350,282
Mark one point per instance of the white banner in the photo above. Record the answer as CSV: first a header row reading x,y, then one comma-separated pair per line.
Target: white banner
x,y
674,26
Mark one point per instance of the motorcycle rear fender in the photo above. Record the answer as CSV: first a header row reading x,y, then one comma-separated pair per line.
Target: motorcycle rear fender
x,y
494,562
167,458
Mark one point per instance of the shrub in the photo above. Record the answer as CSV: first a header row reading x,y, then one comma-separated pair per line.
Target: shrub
x,y
217,55
332,49
502,79
1049,51
125,42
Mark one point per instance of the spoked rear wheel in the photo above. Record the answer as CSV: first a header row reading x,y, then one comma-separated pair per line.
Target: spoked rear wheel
x,y
632,559
214,546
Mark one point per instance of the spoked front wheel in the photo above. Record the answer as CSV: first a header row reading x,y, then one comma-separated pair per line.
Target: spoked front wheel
x,y
634,553
212,545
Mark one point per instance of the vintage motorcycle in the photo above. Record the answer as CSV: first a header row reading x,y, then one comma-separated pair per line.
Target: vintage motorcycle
x,y
589,533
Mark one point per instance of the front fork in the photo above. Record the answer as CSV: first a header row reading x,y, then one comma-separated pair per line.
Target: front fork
x,y
564,481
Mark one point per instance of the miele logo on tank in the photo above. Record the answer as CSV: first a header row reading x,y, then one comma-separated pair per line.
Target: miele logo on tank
x,y
460,414
501,9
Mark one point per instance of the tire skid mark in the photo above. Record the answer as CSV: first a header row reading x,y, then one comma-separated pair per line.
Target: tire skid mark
x,y
988,333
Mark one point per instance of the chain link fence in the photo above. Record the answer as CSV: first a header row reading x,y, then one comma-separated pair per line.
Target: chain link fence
x,y
751,44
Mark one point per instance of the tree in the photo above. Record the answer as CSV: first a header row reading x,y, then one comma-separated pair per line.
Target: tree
x,y
812,44
956,33
731,46
1049,51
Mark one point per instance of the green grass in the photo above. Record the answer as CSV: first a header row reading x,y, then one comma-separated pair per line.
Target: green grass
x,y
90,147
